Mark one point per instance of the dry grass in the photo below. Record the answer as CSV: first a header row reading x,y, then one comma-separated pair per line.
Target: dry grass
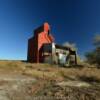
x,y
48,75
49,71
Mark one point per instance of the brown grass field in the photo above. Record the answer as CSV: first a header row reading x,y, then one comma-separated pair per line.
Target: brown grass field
x,y
25,81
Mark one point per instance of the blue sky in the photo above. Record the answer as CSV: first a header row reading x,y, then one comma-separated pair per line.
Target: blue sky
x,y
70,20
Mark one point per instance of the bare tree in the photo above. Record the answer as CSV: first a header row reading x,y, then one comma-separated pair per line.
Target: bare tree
x,y
96,40
93,57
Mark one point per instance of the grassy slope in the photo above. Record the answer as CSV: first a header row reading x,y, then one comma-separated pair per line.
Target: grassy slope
x,y
49,75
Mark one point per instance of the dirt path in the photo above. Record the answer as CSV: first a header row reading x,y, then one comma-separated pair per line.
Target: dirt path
x,y
15,87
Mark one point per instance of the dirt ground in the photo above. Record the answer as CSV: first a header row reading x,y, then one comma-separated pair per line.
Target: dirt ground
x,y
14,86
24,81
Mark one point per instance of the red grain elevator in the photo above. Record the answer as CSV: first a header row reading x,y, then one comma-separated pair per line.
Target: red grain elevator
x,y
35,44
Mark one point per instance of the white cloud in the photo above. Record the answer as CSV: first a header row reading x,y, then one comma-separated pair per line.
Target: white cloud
x,y
70,45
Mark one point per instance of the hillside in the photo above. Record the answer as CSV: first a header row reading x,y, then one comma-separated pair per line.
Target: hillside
x,y
20,80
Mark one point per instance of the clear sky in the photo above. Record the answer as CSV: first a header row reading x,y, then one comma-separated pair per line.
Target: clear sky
x,y
71,20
